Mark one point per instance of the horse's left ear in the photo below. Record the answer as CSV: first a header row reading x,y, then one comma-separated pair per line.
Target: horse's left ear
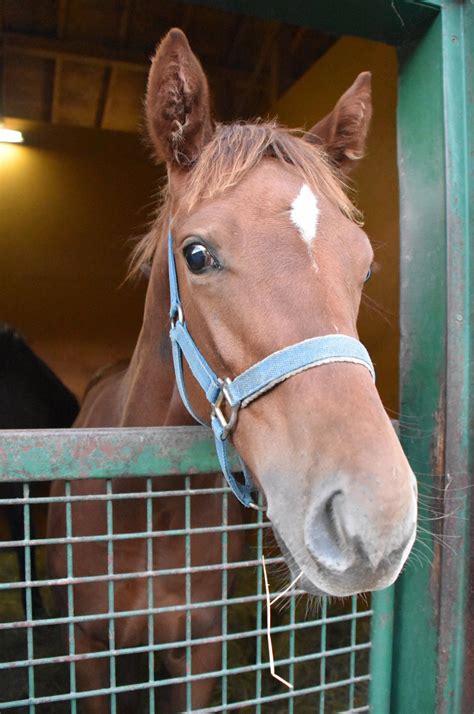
x,y
178,113
343,132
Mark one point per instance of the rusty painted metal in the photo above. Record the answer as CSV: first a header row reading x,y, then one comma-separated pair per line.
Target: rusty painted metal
x,y
105,453
48,454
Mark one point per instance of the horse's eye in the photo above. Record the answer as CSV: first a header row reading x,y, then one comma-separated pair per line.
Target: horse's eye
x,y
198,258
369,275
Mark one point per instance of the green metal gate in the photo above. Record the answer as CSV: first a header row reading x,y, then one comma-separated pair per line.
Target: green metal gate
x,y
422,629
322,652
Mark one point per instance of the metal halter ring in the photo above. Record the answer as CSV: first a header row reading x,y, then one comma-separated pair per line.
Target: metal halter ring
x,y
226,424
256,507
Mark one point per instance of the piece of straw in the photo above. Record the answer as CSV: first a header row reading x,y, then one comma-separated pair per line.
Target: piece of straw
x,y
269,621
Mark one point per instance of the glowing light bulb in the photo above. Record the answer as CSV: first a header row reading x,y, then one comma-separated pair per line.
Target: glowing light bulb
x,y
10,136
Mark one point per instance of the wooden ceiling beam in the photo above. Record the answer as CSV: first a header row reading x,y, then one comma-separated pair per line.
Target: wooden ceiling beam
x,y
103,98
74,50
297,39
108,79
63,11
125,18
242,25
270,39
56,93
119,58
274,83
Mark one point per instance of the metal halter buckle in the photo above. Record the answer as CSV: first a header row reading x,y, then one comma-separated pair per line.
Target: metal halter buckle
x,y
224,396
177,316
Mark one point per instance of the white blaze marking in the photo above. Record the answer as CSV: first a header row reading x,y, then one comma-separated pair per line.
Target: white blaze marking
x,y
305,214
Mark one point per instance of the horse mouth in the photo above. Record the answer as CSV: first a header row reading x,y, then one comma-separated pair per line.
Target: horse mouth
x,y
304,583
374,581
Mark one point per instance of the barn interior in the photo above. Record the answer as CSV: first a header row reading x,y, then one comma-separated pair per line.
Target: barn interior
x,y
82,185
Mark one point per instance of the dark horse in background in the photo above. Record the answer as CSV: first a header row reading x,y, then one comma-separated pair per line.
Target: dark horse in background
x,y
31,397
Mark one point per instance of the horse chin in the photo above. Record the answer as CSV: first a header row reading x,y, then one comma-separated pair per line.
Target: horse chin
x,y
304,583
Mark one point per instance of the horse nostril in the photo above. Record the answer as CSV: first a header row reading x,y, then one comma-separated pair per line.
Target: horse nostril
x,y
332,515
325,537
340,536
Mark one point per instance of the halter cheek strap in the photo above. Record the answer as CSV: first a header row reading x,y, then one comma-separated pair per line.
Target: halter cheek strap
x,y
249,385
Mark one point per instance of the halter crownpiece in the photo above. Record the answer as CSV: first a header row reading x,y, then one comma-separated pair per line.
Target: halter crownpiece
x,y
237,393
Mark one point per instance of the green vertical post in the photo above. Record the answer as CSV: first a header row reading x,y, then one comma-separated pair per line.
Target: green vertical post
x,y
150,596
352,656
322,663
455,629
258,614
291,652
381,651
422,354
224,595
70,596
29,601
111,596
188,594
436,162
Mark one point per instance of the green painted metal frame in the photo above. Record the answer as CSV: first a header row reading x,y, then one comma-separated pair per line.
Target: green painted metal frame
x,y
435,118
106,453
422,378
76,454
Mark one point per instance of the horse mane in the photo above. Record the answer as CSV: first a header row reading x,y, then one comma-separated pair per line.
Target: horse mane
x,y
107,370
234,150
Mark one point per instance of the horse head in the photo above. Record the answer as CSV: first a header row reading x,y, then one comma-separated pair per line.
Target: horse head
x,y
269,252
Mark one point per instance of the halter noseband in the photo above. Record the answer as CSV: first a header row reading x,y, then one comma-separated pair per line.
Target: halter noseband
x,y
249,385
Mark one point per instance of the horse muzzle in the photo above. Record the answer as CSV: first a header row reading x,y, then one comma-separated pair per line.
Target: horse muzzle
x,y
347,549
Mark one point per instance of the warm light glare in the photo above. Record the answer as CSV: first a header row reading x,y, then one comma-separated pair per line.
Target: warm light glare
x,y
10,136
9,153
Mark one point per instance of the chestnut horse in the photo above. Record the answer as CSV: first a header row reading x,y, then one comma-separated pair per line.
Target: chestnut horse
x,y
269,252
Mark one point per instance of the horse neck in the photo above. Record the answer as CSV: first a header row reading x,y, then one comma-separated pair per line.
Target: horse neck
x,y
150,396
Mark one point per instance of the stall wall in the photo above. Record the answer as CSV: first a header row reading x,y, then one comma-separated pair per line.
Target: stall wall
x,y
70,200
376,181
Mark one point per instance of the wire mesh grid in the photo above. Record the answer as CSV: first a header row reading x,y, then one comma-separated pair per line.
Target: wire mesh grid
x,y
159,596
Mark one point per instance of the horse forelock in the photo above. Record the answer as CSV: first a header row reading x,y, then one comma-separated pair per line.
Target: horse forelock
x,y
233,151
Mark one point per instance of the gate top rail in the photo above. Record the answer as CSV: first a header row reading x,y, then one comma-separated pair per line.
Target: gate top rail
x,y
52,454
63,454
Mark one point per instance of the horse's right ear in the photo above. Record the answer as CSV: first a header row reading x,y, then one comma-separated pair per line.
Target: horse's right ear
x,y
343,132
177,102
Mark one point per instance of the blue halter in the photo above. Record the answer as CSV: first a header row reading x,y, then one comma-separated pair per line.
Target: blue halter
x,y
239,392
